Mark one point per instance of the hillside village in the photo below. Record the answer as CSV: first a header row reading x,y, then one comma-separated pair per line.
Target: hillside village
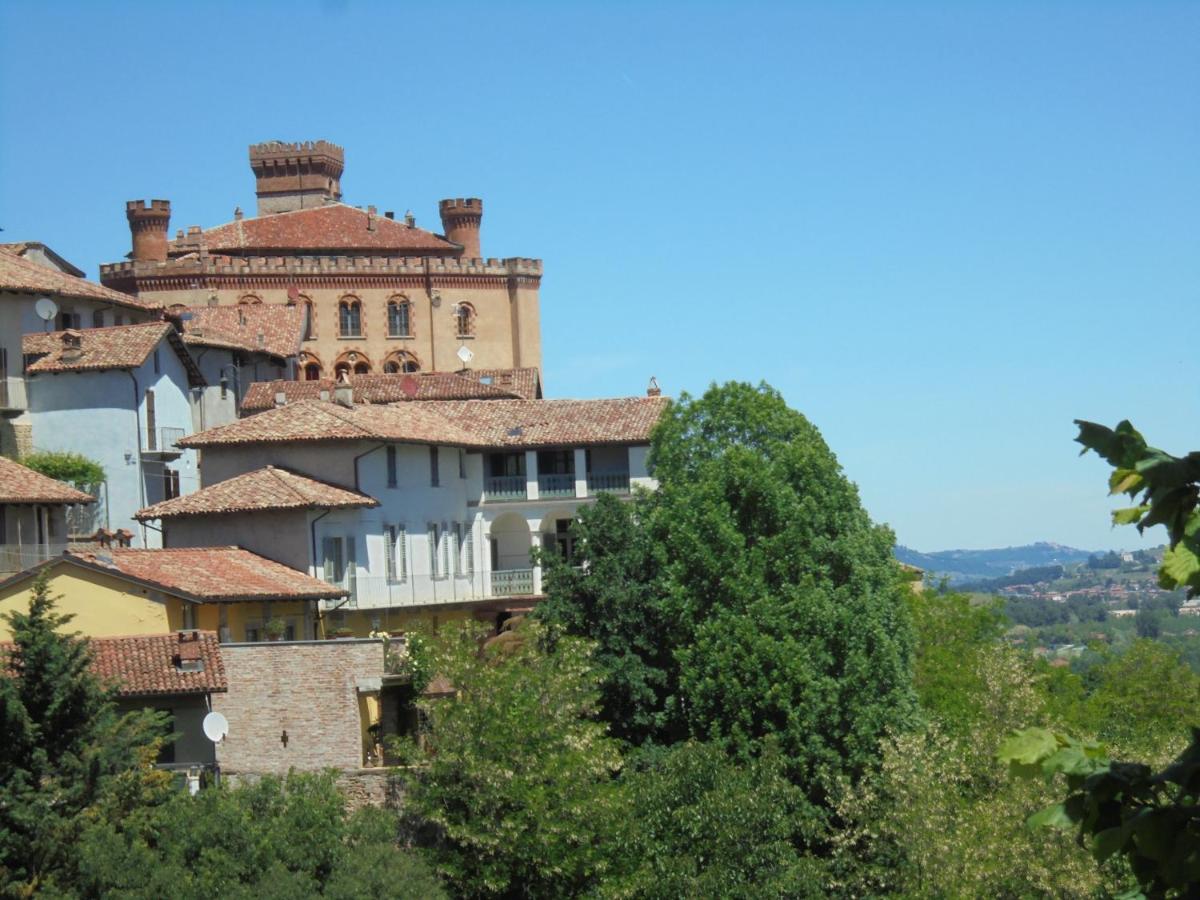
x,y
317,426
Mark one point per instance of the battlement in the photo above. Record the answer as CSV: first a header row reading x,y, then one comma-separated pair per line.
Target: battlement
x,y
461,218
279,150
296,176
148,210
148,222
319,266
461,206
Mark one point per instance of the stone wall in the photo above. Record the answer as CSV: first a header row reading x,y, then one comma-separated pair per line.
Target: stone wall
x,y
308,689
16,439
361,787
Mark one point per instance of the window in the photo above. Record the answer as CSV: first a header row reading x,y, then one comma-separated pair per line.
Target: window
x,y
391,466
400,361
310,320
395,556
189,616
118,318
98,318
434,535
350,318
362,367
312,371
462,464
334,561
469,549
464,320
433,466
399,318
170,484
457,550
151,435
69,320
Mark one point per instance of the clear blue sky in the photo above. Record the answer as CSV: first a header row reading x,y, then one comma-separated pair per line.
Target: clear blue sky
x,y
943,231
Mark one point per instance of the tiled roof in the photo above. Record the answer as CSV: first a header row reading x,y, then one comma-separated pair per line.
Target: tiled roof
x,y
317,420
263,489
334,227
19,484
148,664
116,347
462,423
544,423
212,573
378,389
525,383
21,248
280,326
23,276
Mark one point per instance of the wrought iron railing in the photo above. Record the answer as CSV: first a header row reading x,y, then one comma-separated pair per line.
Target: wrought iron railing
x,y
504,487
556,485
512,582
613,482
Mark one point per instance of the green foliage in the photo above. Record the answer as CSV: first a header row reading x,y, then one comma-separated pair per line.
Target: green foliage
x,y
703,826
73,468
276,838
516,792
749,598
62,746
1169,489
1152,819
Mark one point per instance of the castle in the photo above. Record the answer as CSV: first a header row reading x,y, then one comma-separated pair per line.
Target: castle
x,y
381,295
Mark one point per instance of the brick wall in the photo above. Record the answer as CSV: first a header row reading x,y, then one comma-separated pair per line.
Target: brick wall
x,y
16,440
308,689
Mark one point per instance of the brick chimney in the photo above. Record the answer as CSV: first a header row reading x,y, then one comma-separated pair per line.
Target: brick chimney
x,y
296,176
460,222
148,223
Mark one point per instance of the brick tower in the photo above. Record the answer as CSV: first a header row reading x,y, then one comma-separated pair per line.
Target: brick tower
x,y
460,221
148,222
296,176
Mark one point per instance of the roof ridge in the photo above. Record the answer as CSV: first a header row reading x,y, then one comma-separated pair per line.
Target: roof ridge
x,y
278,475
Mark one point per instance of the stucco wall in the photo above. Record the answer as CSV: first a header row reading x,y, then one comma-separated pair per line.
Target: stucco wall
x,y
281,536
310,690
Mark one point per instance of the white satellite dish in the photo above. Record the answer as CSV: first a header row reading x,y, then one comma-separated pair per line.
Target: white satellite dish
x,y
46,308
215,726
465,354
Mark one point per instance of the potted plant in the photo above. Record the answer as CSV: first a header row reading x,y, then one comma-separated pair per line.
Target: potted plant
x,y
343,632
275,629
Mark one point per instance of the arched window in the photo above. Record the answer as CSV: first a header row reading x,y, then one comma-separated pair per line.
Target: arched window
x,y
341,371
350,317
310,318
399,317
362,368
249,300
464,317
310,367
401,361
351,363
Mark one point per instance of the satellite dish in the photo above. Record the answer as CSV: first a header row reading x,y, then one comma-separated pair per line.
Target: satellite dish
x,y
465,354
46,308
215,726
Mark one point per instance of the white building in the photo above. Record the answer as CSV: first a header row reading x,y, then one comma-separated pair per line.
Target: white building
x,y
120,396
423,507
33,516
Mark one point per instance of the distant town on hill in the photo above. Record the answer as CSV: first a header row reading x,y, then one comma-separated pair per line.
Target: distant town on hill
x,y
958,566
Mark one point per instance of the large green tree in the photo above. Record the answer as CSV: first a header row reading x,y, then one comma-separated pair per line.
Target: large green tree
x,y
62,744
749,598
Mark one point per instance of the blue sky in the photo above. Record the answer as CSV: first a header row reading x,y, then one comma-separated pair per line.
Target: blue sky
x,y
942,231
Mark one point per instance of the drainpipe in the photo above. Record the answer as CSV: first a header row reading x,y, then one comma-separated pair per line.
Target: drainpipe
x,y
137,420
360,456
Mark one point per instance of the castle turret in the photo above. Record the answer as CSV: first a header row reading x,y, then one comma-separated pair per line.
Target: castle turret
x,y
148,222
460,222
296,176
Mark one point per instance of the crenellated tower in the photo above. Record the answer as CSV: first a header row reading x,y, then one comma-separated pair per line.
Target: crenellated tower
x,y
296,176
460,222
148,224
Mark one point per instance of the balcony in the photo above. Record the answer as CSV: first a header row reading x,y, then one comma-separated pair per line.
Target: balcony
x,y
561,485
504,487
512,582
162,444
19,557
608,482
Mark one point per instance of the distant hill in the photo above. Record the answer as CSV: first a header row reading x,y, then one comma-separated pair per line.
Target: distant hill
x,y
971,565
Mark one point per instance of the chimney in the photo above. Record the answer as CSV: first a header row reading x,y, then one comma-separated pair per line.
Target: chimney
x,y
653,390
72,345
409,219
280,398
460,221
389,215
237,214
296,176
370,218
148,223
343,393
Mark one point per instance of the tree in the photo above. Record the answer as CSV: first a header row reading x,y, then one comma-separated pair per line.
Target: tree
x,y
515,789
784,610
62,744
1169,489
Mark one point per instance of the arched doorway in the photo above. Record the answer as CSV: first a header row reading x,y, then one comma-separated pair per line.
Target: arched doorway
x,y
509,544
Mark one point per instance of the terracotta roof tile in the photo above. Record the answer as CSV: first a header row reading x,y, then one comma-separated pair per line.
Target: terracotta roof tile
x,y
148,665
239,327
317,420
378,389
525,383
334,227
213,573
19,484
264,489
23,276
116,347
463,423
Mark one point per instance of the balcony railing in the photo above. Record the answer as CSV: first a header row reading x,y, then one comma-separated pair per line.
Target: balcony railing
x,y
504,487
19,557
612,482
163,442
555,485
512,582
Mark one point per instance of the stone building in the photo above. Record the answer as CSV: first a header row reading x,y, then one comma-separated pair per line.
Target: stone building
x,y
382,295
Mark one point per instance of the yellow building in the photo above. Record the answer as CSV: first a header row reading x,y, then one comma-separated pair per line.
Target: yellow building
x,y
237,594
